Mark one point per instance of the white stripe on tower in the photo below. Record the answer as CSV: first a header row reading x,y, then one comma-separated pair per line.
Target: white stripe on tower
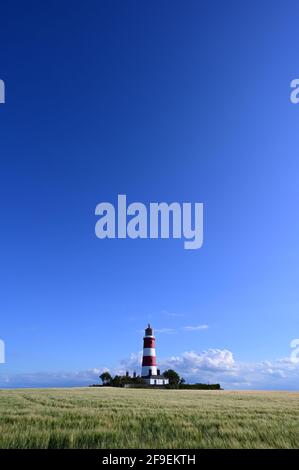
x,y
149,352
149,362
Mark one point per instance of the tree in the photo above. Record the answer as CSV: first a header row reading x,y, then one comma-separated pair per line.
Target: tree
x,y
116,381
173,377
106,378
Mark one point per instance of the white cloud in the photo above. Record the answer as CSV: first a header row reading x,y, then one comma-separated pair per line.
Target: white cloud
x,y
165,330
171,314
133,364
185,328
51,379
196,328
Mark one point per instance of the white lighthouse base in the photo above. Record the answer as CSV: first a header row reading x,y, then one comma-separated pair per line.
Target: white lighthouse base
x,y
156,380
148,370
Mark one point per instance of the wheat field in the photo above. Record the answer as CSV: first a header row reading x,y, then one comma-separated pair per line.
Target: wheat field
x,y
135,418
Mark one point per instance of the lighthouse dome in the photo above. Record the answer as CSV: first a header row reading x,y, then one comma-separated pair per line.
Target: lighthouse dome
x,y
149,330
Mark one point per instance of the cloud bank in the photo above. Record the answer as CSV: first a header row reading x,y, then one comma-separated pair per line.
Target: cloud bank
x,y
211,366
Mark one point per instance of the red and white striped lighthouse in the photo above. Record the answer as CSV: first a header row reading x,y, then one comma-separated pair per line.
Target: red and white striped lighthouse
x,y
149,362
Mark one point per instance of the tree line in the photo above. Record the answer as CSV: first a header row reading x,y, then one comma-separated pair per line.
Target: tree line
x,y
175,381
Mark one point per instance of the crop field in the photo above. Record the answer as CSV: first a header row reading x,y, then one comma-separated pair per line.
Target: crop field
x,y
136,418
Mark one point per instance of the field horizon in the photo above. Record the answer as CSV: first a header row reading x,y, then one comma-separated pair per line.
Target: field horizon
x,y
107,418
89,387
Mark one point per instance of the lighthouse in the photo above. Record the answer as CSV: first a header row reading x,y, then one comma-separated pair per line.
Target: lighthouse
x,y
150,373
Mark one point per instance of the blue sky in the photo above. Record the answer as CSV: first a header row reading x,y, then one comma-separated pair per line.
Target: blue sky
x,y
162,101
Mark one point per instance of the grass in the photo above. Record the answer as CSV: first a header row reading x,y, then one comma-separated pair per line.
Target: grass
x,y
128,418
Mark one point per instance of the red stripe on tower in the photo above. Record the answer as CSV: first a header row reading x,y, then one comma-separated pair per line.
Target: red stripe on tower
x,y
149,361
148,342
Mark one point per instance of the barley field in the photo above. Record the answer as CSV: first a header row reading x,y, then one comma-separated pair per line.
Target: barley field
x,y
136,418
